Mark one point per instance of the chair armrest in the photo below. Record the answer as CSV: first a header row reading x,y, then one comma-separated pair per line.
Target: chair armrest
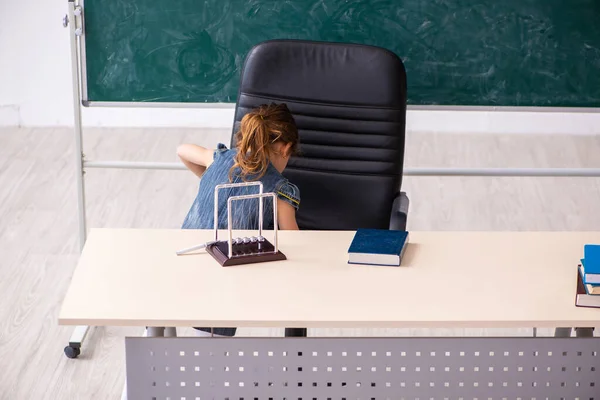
x,y
399,213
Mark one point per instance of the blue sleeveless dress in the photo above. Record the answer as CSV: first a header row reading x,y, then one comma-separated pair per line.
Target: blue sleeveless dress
x,y
244,212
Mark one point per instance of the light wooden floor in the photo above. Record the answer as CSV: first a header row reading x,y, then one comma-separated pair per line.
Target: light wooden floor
x,y
38,228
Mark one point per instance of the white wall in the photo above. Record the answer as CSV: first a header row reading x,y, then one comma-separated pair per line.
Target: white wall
x,y
35,88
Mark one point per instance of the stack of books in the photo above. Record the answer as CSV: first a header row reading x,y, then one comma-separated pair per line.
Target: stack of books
x,y
588,278
378,247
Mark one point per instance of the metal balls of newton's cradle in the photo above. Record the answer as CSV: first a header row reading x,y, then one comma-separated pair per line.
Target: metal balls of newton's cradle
x,y
246,250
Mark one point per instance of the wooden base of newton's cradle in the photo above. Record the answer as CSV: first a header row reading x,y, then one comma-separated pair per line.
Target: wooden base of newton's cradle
x,y
244,253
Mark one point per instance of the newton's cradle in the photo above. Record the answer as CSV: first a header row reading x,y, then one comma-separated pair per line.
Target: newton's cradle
x,y
246,250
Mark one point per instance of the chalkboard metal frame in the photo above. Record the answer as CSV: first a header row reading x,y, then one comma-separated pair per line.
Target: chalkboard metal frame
x,y
83,57
231,106
74,21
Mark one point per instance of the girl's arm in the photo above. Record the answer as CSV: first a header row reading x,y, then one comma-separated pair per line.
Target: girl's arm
x,y
286,216
195,158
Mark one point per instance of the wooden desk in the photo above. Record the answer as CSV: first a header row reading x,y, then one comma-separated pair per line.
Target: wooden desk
x,y
448,279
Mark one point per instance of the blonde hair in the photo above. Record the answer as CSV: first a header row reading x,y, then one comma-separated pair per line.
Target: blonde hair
x,y
259,130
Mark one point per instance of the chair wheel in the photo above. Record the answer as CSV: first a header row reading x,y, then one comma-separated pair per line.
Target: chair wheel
x,y
72,352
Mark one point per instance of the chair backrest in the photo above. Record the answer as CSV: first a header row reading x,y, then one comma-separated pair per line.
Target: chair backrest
x,y
349,102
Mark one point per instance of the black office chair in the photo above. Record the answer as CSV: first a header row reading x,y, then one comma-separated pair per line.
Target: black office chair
x,y
349,103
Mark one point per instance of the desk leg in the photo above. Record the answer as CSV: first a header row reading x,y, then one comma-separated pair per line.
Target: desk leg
x,y
562,332
155,331
295,332
170,332
579,332
161,331
584,332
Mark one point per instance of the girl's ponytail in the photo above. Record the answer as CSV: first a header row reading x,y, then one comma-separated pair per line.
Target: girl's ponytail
x,y
259,129
253,146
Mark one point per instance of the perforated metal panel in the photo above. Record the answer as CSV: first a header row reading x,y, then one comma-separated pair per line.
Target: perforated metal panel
x,y
363,368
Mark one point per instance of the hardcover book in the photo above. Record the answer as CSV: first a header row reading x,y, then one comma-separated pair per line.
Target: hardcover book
x,y
591,258
583,298
378,247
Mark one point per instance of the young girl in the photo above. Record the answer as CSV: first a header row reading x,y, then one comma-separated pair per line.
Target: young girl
x,y
266,139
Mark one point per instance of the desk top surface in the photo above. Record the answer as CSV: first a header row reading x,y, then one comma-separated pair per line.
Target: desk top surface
x,y
129,277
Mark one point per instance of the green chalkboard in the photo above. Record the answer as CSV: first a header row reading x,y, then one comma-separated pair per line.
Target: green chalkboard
x,y
456,52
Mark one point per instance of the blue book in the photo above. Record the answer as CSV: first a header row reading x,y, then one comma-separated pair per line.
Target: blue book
x,y
591,254
378,247
589,279
591,263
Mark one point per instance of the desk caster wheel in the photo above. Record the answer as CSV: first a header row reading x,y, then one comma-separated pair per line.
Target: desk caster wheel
x,y
72,352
